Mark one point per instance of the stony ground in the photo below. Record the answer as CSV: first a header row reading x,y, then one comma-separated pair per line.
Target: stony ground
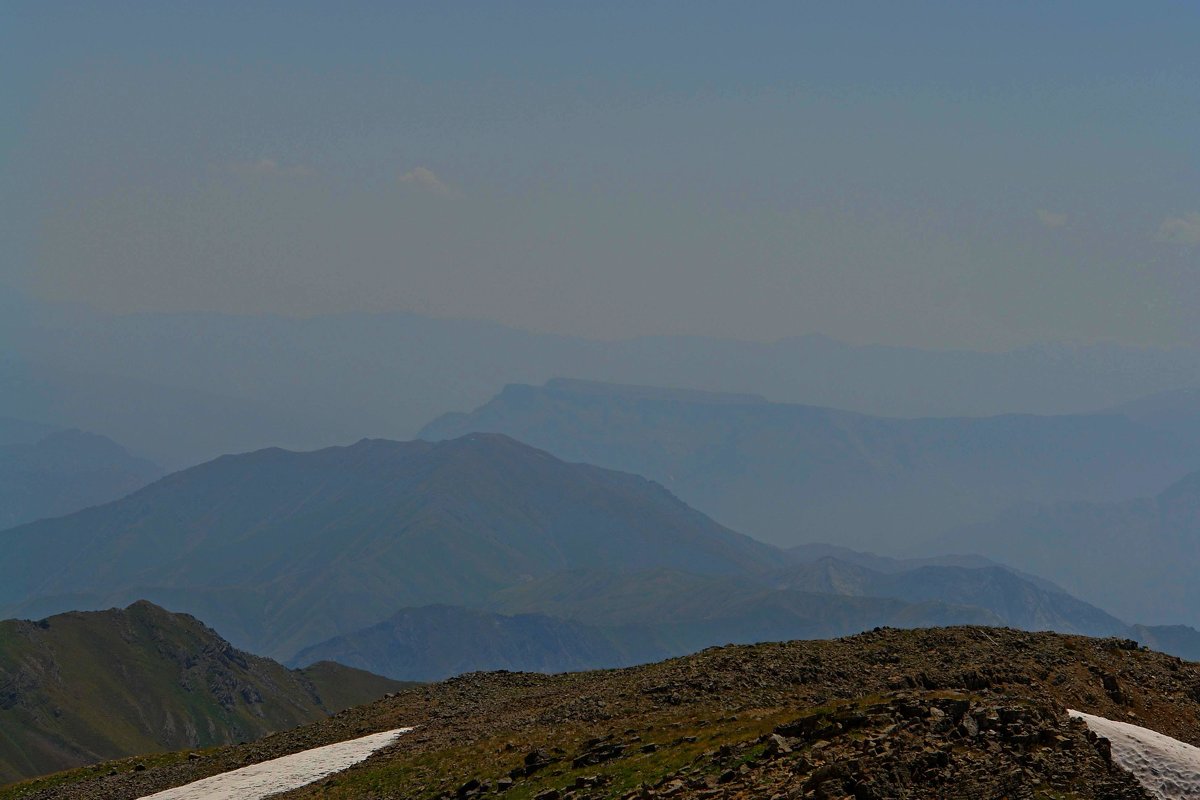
x,y
945,713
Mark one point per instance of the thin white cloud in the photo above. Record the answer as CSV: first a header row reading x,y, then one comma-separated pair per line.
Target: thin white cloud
x,y
1183,230
1052,219
426,179
268,166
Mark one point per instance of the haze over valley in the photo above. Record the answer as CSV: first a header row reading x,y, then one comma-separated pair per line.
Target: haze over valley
x,y
542,401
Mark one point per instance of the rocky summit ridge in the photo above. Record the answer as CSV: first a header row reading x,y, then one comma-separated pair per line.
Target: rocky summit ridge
x,y
961,712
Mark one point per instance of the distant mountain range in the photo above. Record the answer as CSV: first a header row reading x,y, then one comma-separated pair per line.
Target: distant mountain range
x,y
421,559
789,474
176,427
1140,558
1175,412
589,619
1018,601
244,382
280,550
436,642
47,473
21,431
84,687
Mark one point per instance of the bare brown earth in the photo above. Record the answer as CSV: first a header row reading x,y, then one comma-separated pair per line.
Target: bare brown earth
x,y
946,713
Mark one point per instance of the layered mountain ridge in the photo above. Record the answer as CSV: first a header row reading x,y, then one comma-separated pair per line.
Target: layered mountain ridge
x,y
245,381
1139,557
341,553
791,474
592,619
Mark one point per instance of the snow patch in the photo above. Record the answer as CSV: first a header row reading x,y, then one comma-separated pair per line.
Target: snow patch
x,y
1168,768
282,774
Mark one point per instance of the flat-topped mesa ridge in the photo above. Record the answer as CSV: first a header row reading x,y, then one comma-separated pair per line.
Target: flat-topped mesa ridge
x,y
787,473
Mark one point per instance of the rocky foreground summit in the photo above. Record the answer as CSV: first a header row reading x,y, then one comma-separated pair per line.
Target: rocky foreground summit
x,y
948,713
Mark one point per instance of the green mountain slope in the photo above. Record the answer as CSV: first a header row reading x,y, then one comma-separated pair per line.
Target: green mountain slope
x,y
280,550
789,474
83,687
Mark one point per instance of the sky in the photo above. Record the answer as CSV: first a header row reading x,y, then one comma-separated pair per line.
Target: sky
x,y
942,175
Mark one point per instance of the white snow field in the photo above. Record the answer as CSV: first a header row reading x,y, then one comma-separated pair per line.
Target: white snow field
x,y
1168,768
281,774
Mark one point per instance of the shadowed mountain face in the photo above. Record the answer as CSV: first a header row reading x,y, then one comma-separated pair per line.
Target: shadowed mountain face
x,y
280,550
789,474
1140,558
591,619
83,687
57,473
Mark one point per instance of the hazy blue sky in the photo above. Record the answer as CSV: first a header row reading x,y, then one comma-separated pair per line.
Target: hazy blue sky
x,y
933,174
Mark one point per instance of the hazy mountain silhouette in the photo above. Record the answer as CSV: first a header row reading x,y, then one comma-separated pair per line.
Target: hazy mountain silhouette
x,y
789,474
1139,558
1176,412
62,472
604,598
174,426
1019,601
815,551
280,550
22,431
1178,640
588,619
437,642
242,382
84,687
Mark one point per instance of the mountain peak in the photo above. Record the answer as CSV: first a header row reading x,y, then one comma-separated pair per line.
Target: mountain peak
x,y
416,522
